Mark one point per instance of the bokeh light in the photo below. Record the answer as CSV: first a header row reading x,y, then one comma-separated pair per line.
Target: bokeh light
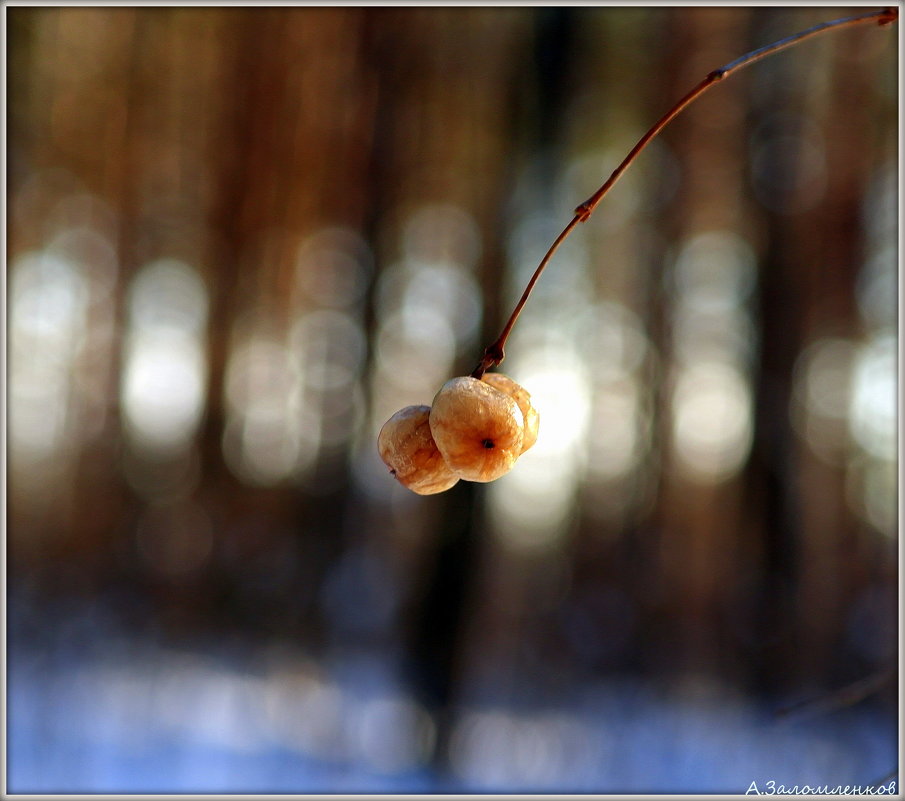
x,y
48,302
873,412
713,345
268,435
164,381
822,399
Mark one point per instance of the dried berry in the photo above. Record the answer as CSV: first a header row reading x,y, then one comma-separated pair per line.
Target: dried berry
x,y
477,428
523,398
406,446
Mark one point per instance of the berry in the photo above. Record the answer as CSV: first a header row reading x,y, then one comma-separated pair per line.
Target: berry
x,y
477,428
406,446
523,398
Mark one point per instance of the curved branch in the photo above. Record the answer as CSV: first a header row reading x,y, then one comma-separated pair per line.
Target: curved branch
x,y
495,353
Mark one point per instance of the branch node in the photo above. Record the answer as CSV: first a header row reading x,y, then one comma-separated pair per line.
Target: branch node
x,y
493,355
583,212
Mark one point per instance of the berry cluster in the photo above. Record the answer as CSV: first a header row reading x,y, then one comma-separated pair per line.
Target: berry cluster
x,y
475,430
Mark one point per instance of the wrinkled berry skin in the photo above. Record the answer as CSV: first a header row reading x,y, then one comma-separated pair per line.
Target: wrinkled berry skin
x,y
478,429
406,446
523,398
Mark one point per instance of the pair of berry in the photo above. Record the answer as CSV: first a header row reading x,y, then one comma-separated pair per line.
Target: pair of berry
x,y
475,430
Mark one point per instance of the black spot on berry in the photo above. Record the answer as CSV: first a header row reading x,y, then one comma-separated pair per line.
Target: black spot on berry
x,y
488,443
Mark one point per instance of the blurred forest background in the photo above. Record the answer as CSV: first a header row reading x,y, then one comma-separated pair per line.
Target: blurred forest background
x,y
239,238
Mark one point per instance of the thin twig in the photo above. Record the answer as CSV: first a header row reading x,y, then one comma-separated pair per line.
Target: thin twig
x,y
885,780
495,353
849,695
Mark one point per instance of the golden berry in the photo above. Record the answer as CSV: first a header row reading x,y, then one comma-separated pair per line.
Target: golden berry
x,y
523,398
477,428
406,446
